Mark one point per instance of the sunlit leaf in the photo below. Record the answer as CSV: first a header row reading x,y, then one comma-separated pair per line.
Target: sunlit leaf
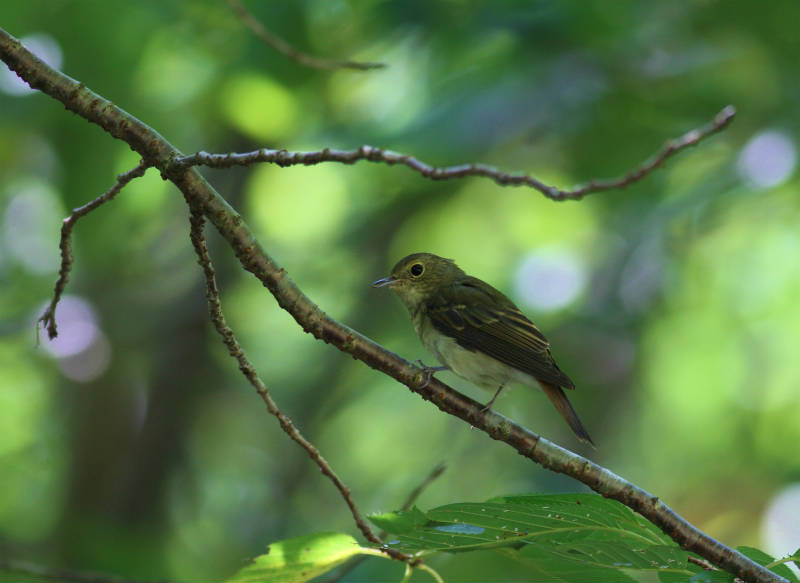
x,y
299,559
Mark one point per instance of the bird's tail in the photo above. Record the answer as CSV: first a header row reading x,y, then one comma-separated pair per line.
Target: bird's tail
x,y
559,399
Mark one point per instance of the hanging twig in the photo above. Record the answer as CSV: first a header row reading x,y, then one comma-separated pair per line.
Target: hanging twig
x,y
197,220
288,50
48,318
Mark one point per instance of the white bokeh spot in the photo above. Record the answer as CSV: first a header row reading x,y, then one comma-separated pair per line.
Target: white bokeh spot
x,y
550,279
82,350
768,159
780,526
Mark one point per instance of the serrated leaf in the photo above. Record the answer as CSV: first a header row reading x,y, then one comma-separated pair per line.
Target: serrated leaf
x,y
505,522
614,514
567,537
299,559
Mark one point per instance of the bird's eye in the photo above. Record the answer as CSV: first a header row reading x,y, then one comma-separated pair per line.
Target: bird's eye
x,y
417,269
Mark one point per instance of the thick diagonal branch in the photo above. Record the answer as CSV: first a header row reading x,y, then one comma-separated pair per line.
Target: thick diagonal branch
x,y
201,196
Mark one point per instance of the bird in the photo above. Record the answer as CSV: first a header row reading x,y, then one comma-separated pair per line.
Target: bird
x,y
477,332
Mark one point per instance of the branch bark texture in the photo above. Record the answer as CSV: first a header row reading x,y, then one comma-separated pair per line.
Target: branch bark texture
x,y
283,158
202,197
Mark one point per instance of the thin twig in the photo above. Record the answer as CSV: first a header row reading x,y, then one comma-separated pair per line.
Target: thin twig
x,y
48,318
701,563
412,497
288,50
63,574
197,191
197,221
372,154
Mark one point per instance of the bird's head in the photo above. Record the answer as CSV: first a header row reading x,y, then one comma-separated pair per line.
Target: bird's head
x,y
417,277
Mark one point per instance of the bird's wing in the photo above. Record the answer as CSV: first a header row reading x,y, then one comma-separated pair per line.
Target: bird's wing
x,y
498,329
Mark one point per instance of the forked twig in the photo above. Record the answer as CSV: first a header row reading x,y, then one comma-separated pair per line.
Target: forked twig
x,y
412,497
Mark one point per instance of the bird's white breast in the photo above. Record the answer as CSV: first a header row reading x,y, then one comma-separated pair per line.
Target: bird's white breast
x,y
478,368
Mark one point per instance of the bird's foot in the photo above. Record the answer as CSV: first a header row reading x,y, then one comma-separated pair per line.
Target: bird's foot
x,y
429,371
488,405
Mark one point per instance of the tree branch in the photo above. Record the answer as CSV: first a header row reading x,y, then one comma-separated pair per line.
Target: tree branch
x,y
350,565
288,50
197,221
48,318
372,154
200,195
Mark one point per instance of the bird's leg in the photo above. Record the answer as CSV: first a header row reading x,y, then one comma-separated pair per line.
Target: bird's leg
x,y
491,401
429,371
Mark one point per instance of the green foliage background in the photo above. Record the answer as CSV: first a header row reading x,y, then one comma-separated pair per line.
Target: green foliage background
x,y
682,339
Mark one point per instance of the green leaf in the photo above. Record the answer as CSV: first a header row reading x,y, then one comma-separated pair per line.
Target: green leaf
x,y
764,559
564,537
615,514
795,557
557,567
679,577
299,559
755,554
399,522
507,521
712,577
615,555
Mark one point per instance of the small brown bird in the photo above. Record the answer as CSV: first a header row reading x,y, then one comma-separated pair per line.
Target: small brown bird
x,y
477,332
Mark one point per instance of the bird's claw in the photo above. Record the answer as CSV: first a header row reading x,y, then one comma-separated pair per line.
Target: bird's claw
x,y
429,371
488,405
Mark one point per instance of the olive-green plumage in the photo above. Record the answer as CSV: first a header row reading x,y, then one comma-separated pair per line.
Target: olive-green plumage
x,y
477,332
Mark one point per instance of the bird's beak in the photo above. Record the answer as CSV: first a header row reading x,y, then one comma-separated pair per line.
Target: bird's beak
x,y
386,281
